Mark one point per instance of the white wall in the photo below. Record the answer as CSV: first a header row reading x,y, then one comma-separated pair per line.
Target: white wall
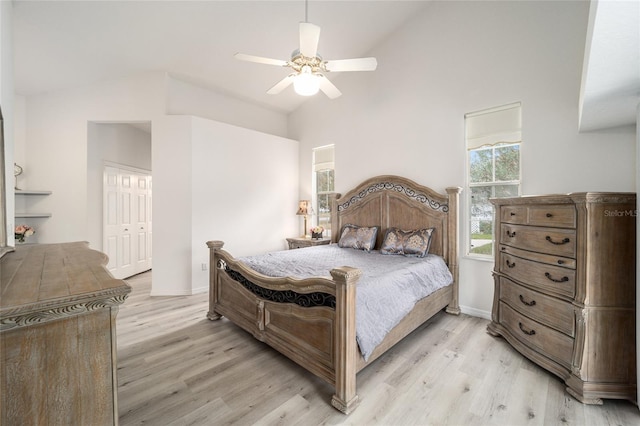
x,y
57,144
227,183
407,117
244,191
56,139
172,199
117,143
190,99
57,159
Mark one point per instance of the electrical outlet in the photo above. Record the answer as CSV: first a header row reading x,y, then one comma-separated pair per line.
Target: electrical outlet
x,y
204,266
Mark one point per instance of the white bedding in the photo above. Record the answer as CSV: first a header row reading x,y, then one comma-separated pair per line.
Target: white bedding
x,y
388,289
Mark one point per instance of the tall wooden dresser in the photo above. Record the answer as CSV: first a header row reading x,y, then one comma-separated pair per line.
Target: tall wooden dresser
x,y
565,288
58,310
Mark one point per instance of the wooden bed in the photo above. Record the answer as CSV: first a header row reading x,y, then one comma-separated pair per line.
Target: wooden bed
x,y
312,321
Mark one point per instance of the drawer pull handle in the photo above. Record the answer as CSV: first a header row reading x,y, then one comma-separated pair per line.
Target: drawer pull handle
x,y
561,280
511,233
549,215
512,214
558,243
560,262
532,303
525,331
511,264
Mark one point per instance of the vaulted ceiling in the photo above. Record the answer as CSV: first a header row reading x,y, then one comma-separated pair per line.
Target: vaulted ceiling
x,y
65,44
59,45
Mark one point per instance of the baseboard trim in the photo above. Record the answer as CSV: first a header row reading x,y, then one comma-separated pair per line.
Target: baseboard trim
x,y
475,312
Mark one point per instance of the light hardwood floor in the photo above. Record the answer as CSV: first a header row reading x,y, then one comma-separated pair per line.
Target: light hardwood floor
x,y
175,367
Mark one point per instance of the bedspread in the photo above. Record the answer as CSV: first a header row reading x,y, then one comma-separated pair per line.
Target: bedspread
x,y
387,291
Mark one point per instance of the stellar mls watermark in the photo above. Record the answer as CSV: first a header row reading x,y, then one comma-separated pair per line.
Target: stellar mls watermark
x,y
620,213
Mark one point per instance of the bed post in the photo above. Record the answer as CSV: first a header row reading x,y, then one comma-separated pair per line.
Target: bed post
x,y
213,278
345,346
452,245
333,202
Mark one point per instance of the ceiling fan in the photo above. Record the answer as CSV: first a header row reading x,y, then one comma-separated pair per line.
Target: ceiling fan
x,y
308,66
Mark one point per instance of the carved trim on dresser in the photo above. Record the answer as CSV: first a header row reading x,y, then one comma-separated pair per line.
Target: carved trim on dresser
x,y
10,321
581,321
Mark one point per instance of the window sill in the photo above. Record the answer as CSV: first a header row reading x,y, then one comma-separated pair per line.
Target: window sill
x,y
480,258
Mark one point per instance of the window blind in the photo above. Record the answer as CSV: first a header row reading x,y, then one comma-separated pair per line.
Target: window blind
x,y
496,125
323,158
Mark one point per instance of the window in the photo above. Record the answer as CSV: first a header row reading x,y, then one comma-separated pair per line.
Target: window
x,y
323,183
493,139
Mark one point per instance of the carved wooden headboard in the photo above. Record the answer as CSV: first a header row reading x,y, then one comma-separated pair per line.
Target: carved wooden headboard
x,y
393,201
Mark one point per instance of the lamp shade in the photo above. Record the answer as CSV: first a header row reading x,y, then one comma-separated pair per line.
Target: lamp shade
x,y
303,208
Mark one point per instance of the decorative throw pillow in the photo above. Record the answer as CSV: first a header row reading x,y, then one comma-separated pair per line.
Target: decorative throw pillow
x,y
408,243
358,237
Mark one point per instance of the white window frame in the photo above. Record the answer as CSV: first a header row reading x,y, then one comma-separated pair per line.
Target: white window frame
x,y
322,159
490,135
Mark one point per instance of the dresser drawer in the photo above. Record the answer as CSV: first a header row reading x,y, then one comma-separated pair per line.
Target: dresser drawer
x,y
297,245
561,216
551,259
561,242
549,342
547,278
556,216
548,310
514,214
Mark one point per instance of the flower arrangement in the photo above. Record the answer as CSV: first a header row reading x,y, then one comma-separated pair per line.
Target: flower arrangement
x,y
23,231
316,231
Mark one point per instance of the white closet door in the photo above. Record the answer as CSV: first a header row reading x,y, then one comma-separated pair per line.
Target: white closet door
x,y
127,221
141,223
127,235
110,218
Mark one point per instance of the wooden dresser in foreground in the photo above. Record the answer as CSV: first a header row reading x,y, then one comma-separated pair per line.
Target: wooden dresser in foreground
x,y
58,308
565,288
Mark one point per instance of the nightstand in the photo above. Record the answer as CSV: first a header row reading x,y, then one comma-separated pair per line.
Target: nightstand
x,y
295,243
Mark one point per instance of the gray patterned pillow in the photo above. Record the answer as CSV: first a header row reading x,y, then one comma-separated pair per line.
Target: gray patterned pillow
x,y
358,237
408,243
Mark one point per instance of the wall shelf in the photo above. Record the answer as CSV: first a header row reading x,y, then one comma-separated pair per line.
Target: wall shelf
x,y
31,192
24,215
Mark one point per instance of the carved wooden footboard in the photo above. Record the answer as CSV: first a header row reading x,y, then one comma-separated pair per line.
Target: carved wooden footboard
x,y
311,321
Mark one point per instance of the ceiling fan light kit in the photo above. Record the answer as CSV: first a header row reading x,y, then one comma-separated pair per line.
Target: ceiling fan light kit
x,y
308,66
306,83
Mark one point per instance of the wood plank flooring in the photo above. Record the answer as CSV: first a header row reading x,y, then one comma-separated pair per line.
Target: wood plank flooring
x,y
175,367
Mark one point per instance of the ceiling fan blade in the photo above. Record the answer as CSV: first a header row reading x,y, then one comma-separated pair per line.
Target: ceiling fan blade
x,y
282,84
309,38
359,64
260,59
328,87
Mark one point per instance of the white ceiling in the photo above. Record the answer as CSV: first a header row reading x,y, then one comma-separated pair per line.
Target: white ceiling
x,y
60,45
65,44
611,74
